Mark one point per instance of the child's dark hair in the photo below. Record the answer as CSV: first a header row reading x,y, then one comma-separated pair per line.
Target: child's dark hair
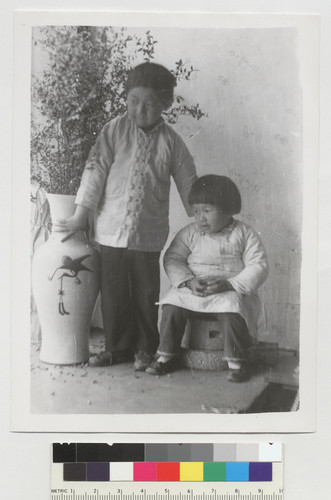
x,y
156,77
216,190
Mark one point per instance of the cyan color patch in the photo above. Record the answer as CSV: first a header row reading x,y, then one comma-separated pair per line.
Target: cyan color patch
x,y
237,471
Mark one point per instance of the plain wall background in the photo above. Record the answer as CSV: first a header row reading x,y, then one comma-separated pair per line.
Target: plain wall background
x,y
247,81
306,455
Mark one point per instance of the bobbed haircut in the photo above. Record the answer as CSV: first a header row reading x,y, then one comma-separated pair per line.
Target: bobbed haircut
x,y
153,76
216,190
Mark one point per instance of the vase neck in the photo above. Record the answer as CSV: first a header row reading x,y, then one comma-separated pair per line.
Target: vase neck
x,y
64,236
61,205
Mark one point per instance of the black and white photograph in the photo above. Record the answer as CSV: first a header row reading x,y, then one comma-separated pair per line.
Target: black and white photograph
x,y
170,180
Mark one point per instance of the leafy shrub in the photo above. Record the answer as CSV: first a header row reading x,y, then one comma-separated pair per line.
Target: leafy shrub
x,y
80,89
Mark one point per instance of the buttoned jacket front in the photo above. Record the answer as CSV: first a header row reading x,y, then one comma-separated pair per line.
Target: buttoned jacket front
x,y
126,182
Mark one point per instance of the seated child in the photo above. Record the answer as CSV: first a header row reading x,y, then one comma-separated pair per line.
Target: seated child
x,y
215,266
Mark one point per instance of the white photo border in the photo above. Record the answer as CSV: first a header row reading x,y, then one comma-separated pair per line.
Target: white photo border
x,y
22,419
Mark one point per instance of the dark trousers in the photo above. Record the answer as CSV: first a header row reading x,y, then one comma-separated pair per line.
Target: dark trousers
x,y
233,326
130,286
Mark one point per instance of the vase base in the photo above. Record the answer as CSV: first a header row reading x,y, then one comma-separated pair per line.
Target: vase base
x,y
64,362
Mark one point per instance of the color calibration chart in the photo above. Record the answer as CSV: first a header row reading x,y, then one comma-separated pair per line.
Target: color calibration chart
x,y
167,471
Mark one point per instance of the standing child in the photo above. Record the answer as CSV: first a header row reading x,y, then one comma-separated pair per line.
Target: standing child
x,y
126,183
215,266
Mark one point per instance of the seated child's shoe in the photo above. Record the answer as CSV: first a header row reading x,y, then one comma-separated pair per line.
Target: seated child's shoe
x,y
242,374
159,368
142,360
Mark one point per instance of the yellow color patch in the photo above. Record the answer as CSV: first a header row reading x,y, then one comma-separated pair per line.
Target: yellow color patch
x,y
191,471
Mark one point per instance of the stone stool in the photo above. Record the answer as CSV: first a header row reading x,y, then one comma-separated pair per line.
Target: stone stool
x,y
203,345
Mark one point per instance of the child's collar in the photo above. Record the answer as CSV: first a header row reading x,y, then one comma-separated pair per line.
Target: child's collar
x,y
156,126
228,228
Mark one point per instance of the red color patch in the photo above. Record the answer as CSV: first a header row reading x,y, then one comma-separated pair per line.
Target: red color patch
x,y
168,471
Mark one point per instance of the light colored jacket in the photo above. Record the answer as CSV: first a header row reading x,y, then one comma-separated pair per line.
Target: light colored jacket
x,y
126,182
236,254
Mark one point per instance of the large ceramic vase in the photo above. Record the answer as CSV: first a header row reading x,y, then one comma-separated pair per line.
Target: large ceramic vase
x,y
65,281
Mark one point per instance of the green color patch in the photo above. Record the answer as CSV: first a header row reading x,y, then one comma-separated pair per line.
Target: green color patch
x,y
214,471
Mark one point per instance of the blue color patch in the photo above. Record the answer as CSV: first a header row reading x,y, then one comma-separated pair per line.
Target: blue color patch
x,y
237,471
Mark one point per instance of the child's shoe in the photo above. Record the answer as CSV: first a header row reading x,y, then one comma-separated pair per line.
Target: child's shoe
x,y
241,374
106,358
159,368
101,359
142,360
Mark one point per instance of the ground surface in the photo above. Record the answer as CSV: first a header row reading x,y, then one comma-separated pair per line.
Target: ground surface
x,y
119,389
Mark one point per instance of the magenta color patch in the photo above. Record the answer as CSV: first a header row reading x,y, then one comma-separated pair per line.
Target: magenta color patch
x,y
144,471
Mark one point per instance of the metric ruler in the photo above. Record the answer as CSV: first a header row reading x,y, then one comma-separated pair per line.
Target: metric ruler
x,y
224,492
142,472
